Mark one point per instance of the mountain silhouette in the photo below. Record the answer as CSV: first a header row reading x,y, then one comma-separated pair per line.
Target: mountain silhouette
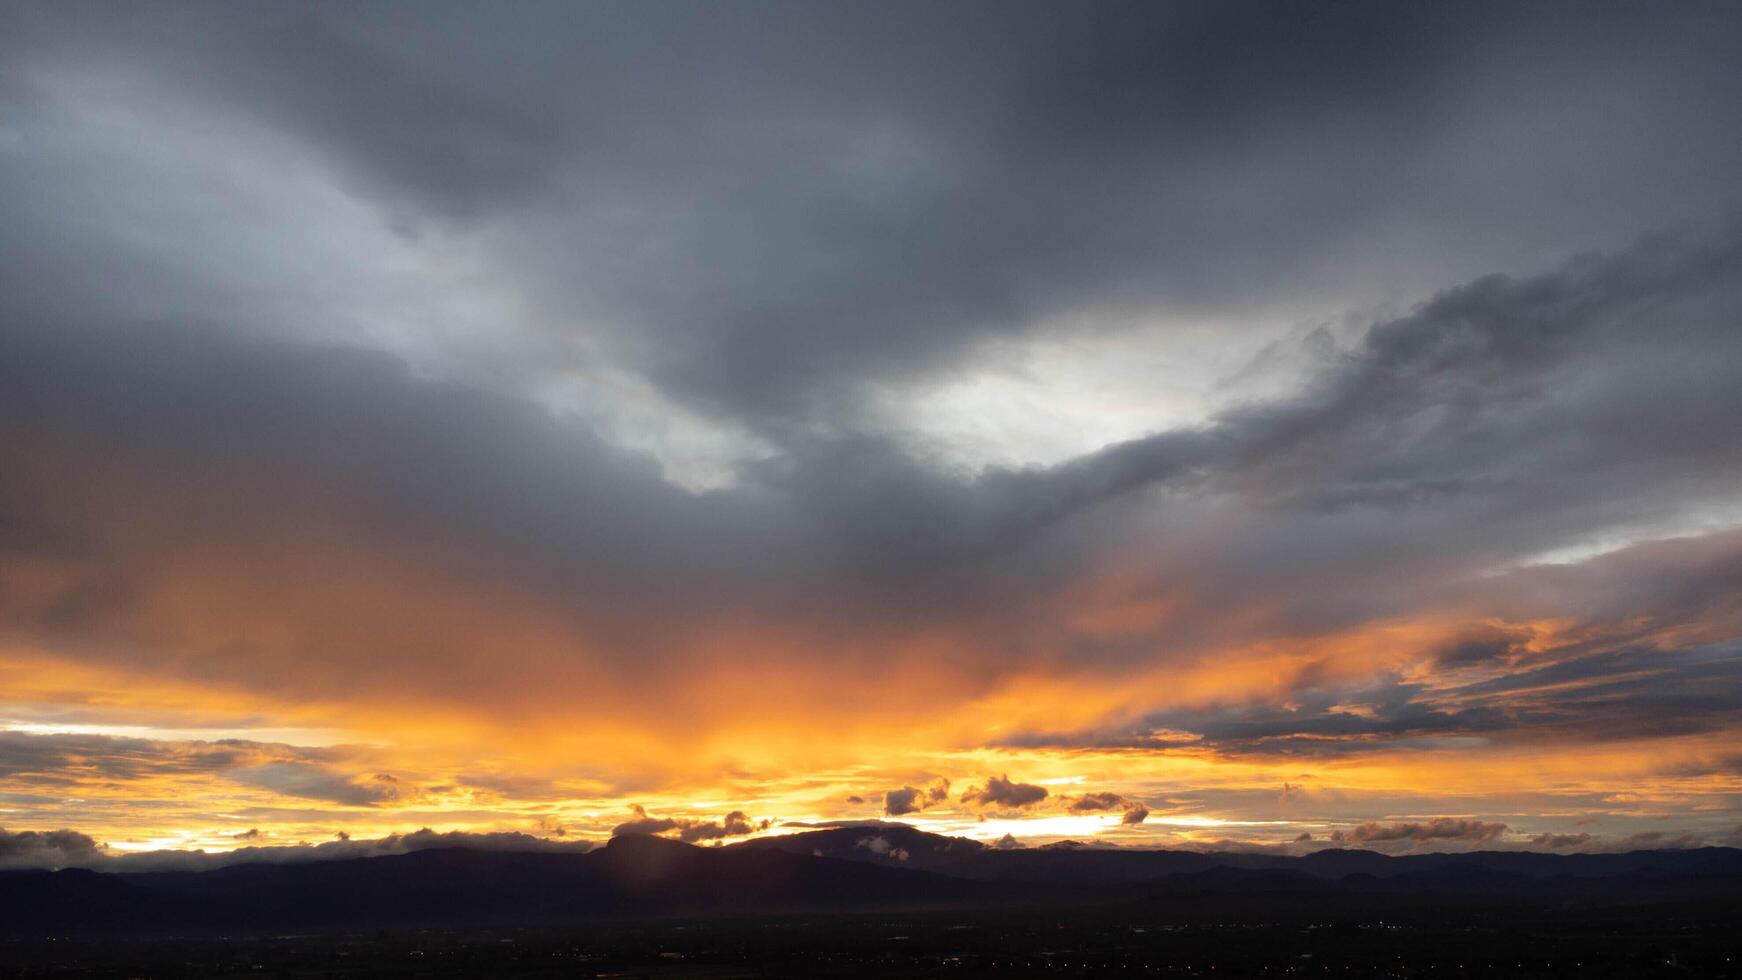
x,y
843,869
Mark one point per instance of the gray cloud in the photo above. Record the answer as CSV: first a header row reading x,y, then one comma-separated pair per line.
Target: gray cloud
x,y
1558,841
734,824
1000,792
909,799
1481,644
824,195
1096,802
42,756
46,849
66,848
67,761
644,825
1134,812
1440,829
1394,481
1658,840
322,783
233,460
1615,680
1469,374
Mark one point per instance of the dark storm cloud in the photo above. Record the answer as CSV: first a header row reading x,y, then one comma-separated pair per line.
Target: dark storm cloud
x,y
823,195
766,210
1540,405
404,126
1134,91
1500,418
436,450
1484,425
1385,431
395,459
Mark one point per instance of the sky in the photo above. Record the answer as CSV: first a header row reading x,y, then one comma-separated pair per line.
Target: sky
x,y
1263,425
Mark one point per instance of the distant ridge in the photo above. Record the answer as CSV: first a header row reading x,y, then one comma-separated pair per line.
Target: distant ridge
x,y
842,869
898,845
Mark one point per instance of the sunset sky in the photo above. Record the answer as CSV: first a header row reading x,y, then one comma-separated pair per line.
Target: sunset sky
x,y
1166,424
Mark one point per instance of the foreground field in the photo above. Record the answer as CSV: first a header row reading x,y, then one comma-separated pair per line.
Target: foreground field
x,y
1698,940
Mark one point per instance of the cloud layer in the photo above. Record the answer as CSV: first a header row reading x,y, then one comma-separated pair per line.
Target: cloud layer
x,y
746,410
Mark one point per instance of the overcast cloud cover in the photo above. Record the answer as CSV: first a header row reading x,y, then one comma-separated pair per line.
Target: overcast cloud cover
x,y
565,404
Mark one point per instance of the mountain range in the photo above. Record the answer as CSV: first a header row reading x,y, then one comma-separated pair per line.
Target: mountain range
x,y
842,869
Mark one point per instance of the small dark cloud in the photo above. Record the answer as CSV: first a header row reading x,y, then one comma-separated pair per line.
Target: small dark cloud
x,y
643,824
734,824
898,802
1481,644
909,799
1135,812
1554,841
1440,829
1655,840
68,848
1000,793
1095,802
